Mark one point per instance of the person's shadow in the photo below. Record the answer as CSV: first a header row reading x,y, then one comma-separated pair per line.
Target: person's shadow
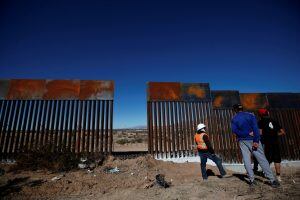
x,y
209,172
244,177
259,173
16,185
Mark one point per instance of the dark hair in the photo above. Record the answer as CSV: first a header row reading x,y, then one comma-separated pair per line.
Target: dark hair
x,y
237,107
200,131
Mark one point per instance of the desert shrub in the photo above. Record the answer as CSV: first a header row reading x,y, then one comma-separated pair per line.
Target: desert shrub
x,y
139,140
136,140
123,141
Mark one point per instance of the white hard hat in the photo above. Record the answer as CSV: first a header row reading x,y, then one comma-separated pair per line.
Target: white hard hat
x,y
200,126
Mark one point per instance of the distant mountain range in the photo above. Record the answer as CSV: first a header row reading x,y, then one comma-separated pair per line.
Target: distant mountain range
x,y
135,127
139,127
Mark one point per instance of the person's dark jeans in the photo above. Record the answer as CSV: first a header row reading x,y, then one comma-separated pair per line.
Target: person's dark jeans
x,y
215,159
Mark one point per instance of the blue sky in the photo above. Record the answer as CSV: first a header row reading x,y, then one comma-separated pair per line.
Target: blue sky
x,y
251,46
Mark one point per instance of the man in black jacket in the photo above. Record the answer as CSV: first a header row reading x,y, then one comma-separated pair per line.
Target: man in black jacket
x,y
270,130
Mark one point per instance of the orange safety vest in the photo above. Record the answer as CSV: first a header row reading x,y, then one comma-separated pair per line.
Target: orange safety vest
x,y
200,142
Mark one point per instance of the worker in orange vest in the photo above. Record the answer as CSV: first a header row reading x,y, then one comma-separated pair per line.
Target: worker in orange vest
x,y
205,150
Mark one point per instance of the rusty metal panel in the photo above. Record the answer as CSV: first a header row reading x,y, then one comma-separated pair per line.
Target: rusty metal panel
x,y
284,100
168,91
253,101
195,91
62,89
4,87
96,90
225,98
26,89
22,89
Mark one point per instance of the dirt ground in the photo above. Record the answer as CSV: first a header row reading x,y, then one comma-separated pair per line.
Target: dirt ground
x,y
136,180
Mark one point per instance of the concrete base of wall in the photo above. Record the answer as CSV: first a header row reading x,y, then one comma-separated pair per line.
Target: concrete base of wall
x,y
236,167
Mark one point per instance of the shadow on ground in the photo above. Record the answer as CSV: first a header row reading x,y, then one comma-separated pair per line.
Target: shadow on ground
x,y
244,178
16,185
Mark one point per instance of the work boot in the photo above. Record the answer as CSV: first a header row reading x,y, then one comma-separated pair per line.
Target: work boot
x,y
255,170
275,184
252,183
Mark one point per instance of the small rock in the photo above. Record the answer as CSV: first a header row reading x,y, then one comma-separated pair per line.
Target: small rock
x,y
56,178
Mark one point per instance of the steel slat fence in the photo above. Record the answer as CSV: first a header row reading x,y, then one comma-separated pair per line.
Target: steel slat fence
x,y
62,115
173,117
28,125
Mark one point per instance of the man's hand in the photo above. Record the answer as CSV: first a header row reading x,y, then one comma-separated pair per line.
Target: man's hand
x,y
255,146
281,132
251,133
195,151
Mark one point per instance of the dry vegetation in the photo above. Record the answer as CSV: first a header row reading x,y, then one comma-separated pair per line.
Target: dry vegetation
x,y
130,140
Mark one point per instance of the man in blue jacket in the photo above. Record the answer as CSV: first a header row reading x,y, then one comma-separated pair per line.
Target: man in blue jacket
x,y
244,126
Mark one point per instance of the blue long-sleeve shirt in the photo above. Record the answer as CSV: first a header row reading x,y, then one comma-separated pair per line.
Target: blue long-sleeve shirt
x,y
244,123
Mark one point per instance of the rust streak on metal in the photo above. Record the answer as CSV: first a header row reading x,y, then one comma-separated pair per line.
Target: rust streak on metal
x,y
195,91
253,101
198,92
225,98
164,91
62,89
96,90
218,101
26,89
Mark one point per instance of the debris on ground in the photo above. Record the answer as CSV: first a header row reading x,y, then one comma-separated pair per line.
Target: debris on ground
x,y
160,180
82,166
91,162
56,178
184,181
111,170
148,185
